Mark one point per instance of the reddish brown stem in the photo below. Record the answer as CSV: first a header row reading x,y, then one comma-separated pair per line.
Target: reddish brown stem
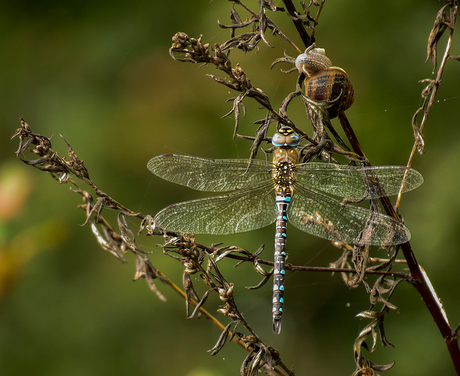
x,y
298,23
420,281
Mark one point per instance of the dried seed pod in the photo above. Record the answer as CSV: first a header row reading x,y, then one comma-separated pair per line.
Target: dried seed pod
x,y
324,82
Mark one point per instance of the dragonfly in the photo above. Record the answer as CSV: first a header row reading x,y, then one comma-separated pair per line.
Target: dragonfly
x,y
283,191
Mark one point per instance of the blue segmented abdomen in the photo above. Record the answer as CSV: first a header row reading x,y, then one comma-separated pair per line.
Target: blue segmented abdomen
x,y
282,203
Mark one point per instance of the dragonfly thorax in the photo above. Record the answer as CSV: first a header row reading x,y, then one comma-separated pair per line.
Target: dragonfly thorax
x,y
284,169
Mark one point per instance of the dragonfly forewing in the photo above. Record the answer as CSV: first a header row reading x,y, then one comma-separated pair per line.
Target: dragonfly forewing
x,y
212,175
240,211
327,218
357,182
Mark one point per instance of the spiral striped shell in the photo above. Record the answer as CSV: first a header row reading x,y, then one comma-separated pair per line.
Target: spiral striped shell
x,y
331,85
324,82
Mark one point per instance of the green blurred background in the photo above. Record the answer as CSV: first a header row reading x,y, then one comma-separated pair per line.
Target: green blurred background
x,y
99,73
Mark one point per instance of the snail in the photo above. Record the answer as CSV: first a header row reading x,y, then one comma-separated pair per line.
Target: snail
x,y
324,82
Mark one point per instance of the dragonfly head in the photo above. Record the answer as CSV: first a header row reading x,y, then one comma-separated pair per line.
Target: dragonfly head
x,y
286,138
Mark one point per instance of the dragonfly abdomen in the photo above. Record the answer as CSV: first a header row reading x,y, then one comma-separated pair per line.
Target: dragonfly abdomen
x,y
282,203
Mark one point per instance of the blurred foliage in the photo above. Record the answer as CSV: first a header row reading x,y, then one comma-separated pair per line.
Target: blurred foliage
x,y
100,75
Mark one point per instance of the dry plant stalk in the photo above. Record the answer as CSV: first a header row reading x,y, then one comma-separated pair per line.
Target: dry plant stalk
x,y
202,261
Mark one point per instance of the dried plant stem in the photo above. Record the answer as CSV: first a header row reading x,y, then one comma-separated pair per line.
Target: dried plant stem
x,y
306,39
419,278
201,309
434,85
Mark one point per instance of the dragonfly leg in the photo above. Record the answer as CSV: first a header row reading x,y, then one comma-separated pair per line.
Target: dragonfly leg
x,y
347,201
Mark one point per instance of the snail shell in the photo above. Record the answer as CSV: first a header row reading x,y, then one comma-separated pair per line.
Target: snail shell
x,y
331,85
324,82
314,60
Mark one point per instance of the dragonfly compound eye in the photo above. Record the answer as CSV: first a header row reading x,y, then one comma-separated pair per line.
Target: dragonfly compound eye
x,y
286,138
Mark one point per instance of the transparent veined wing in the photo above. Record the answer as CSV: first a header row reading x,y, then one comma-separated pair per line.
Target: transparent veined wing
x,y
325,217
212,175
356,182
240,211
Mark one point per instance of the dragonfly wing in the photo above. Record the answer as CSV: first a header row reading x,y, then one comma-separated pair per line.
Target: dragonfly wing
x,y
327,218
213,175
239,211
357,182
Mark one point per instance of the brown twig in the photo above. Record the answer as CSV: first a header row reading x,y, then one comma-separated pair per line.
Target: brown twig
x,y
420,279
